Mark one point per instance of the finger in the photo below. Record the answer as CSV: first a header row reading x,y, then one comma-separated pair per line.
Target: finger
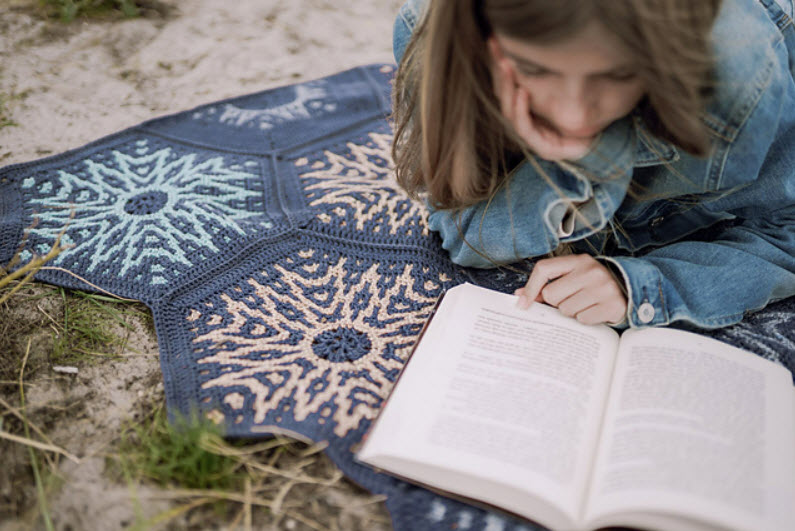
x,y
546,142
523,301
535,135
592,315
507,90
595,305
544,271
494,48
589,275
577,302
522,119
583,275
549,144
556,292
572,148
601,314
498,71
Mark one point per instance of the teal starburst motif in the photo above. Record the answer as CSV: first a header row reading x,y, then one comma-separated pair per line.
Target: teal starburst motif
x,y
146,212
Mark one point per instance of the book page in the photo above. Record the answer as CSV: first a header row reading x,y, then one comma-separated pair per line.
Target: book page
x,y
502,396
698,428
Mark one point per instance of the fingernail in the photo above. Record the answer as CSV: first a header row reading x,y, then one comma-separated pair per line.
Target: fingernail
x,y
524,302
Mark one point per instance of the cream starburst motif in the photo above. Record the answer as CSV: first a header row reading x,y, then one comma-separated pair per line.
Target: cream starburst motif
x,y
359,191
310,101
331,339
144,208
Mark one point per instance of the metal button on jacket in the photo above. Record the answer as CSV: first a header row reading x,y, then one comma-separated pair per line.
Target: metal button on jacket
x,y
645,312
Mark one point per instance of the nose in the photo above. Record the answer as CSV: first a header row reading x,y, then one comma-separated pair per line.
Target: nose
x,y
574,110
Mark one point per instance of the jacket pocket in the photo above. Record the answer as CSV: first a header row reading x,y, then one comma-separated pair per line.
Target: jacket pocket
x,y
663,222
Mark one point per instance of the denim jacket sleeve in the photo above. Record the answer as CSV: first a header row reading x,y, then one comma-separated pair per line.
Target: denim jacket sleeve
x,y
407,19
711,284
750,180
524,217
713,281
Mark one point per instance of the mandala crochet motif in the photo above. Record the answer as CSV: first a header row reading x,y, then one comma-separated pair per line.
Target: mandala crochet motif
x,y
331,336
358,191
288,274
143,207
309,100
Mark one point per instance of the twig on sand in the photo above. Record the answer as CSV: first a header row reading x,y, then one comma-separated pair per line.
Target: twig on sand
x,y
306,521
84,281
247,506
36,444
65,369
29,270
33,461
48,445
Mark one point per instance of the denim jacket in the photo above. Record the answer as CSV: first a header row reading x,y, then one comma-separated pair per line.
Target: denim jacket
x,y
707,239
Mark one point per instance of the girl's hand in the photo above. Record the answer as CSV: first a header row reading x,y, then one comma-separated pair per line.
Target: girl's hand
x,y
579,286
515,105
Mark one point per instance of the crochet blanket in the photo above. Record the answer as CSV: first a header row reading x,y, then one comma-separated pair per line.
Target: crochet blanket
x,y
288,274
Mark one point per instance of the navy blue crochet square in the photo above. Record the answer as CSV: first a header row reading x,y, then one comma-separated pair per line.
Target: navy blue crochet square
x,y
308,334
138,213
285,117
350,189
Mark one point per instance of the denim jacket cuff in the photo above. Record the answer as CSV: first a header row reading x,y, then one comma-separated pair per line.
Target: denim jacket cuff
x,y
619,276
646,305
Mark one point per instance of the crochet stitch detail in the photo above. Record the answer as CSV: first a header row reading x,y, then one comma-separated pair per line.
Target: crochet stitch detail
x,y
288,274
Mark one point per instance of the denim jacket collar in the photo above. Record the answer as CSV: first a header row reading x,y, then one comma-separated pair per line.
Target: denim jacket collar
x,y
627,143
652,150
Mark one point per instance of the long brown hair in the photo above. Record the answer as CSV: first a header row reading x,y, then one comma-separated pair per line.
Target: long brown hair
x,y
451,139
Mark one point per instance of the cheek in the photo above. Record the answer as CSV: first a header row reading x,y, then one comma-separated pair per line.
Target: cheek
x,y
543,94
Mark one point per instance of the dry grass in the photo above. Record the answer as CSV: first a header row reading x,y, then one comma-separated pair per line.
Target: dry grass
x,y
235,485
70,10
17,429
243,485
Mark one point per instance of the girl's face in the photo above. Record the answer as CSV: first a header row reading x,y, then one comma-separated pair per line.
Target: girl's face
x,y
577,86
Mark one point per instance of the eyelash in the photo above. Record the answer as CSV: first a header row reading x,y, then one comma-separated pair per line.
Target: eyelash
x,y
619,78
622,78
533,73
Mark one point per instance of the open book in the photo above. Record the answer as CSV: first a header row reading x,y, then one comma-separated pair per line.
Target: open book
x,y
575,428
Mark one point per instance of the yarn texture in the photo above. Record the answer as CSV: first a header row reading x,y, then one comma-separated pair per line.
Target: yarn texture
x,y
288,274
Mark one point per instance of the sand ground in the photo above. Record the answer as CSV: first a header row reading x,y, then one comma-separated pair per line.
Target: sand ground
x,y
64,85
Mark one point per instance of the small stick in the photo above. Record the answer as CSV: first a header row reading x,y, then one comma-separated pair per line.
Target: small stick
x,y
233,524
18,414
16,288
81,279
276,508
176,511
306,521
214,494
45,513
247,506
29,269
38,307
65,369
38,445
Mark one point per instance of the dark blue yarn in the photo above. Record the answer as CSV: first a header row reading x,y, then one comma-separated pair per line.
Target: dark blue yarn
x,y
146,203
341,345
283,266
